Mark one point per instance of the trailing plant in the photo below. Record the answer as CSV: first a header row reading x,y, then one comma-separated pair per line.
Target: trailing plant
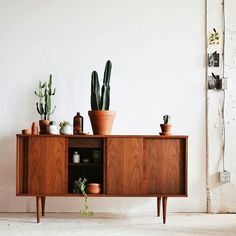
x,y
101,101
166,119
81,186
44,106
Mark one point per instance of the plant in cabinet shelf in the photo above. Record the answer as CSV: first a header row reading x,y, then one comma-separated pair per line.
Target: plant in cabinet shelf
x,y
100,116
80,186
44,106
66,128
166,126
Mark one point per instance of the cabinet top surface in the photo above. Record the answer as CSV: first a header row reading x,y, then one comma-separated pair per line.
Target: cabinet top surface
x,y
105,136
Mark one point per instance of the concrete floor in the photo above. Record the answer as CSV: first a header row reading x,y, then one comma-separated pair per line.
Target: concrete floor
x,y
105,224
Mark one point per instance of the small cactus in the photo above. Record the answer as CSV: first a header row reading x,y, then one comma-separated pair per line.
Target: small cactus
x,y
101,102
64,123
166,119
44,93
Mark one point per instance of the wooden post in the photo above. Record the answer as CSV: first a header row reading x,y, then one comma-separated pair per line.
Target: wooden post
x,y
158,206
38,208
164,206
43,205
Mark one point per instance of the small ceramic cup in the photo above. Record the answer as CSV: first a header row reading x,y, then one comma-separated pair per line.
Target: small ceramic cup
x,y
26,131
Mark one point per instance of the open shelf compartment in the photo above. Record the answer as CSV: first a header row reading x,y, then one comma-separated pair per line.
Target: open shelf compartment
x,y
91,163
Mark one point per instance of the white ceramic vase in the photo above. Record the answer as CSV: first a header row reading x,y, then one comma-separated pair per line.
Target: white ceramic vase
x,y
53,129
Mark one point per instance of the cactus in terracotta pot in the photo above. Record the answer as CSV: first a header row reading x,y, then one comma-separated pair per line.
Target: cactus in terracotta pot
x,y
166,119
166,126
100,116
44,93
101,102
44,106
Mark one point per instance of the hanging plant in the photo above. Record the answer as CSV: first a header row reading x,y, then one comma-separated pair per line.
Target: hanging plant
x,y
81,186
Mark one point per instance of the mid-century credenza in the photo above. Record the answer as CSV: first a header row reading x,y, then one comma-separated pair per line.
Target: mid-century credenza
x,y
130,166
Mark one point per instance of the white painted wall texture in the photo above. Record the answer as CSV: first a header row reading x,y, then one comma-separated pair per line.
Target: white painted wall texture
x,y
157,49
221,197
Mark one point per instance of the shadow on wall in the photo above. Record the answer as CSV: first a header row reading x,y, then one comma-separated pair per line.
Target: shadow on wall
x,y
7,163
7,170
8,160
8,200
215,180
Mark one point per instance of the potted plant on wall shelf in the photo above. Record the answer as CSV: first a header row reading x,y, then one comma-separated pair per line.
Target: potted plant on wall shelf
x,y
166,126
100,116
44,107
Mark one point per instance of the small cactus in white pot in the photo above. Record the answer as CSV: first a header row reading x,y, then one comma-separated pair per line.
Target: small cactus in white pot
x,y
66,128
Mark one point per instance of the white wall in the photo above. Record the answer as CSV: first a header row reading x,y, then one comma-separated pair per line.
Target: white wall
x,y
221,197
157,50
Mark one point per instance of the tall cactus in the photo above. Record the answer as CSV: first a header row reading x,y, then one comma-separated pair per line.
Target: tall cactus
x,y
41,95
101,102
166,119
95,92
44,108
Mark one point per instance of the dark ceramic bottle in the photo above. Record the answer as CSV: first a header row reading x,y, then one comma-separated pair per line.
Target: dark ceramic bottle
x,y
78,124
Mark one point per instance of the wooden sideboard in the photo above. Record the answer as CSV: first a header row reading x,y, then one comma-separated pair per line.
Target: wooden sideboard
x,y
129,166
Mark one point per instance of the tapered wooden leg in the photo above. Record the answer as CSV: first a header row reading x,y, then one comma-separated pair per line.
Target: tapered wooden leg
x,y
43,205
38,199
164,206
158,206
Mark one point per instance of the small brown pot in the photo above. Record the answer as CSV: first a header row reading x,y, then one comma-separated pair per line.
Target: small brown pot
x,y
43,125
26,131
166,129
93,188
101,121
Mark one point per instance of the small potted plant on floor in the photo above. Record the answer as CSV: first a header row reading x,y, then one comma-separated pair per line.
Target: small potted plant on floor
x,y
100,116
166,126
44,107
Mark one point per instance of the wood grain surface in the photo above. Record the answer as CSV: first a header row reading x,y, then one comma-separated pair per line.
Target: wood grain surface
x,y
124,165
47,165
22,165
133,165
164,166
86,142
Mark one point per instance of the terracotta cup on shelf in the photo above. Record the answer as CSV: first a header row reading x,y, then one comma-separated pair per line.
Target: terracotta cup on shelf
x,y
26,131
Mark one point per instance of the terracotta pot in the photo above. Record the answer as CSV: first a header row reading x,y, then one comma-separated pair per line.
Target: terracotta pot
x,y
93,188
166,129
26,131
43,125
94,185
101,121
